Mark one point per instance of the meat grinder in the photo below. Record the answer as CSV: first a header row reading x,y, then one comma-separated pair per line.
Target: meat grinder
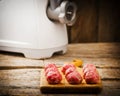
x,y
36,28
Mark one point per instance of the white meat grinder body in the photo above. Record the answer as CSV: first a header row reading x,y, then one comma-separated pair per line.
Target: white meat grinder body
x,y
25,28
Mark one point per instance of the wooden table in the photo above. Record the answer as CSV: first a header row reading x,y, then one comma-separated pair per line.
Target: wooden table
x,y
21,76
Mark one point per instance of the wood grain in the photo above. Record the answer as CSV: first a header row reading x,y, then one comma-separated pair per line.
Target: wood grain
x,y
109,25
26,77
16,60
97,21
85,28
25,80
21,76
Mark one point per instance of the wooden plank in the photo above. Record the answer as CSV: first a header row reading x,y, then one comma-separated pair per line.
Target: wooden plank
x,y
97,21
85,28
113,84
98,62
31,77
20,92
103,62
15,60
109,25
109,92
20,78
100,54
27,81
106,91
109,74
94,50
110,88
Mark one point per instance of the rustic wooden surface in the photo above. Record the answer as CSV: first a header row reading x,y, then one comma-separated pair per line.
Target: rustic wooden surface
x,y
109,25
21,76
97,21
65,87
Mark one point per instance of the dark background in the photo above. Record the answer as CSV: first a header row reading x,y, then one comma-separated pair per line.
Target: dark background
x,y
97,21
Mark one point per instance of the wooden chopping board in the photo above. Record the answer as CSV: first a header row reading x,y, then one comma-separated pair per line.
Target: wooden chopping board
x,y
65,87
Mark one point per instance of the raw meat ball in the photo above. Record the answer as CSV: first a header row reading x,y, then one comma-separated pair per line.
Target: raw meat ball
x,y
91,77
66,66
69,70
53,77
52,74
50,66
50,69
90,74
88,70
74,77
90,66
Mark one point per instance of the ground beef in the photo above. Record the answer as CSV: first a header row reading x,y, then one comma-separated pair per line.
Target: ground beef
x,y
69,70
53,77
74,77
52,74
71,74
89,66
66,66
91,77
90,74
49,66
50,69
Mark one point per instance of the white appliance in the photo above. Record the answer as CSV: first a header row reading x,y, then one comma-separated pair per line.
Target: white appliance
x,y
36,28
